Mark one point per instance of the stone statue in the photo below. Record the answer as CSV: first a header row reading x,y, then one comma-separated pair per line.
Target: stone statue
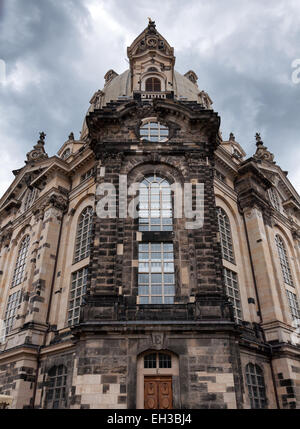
x,y
231,137
205,99
258,139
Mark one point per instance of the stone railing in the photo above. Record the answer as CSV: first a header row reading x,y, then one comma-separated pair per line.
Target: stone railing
x,y
150,95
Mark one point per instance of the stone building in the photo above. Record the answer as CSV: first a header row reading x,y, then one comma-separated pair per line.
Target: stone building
x,y
145,311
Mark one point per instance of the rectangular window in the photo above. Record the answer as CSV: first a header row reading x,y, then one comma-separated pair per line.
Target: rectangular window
x,y
150,361
156,278
233,293
294,306
165,360
78,290
13,303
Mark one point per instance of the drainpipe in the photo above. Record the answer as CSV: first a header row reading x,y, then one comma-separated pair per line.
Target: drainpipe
x,y
48,312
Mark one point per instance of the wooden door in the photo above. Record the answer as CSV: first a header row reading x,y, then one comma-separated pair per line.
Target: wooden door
x,y
158,393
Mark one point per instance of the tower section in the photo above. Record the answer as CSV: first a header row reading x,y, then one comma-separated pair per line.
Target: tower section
x,y
156,330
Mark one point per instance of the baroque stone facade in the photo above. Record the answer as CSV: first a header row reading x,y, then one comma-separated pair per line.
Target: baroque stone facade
x,y
84,325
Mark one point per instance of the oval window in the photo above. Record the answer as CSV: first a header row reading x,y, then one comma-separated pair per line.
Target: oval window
x,y
154,132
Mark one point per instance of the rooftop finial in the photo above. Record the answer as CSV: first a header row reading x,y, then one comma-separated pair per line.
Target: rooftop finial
x,y
71,136
38,151
262,151
151,26
258,139
231,137
42,138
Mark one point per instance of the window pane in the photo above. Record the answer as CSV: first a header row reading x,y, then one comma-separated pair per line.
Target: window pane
x,y
78,289
165,360
20,266
233,292
256,386
56,387
83,235
160,213
284,262
225,235
154,132
161,283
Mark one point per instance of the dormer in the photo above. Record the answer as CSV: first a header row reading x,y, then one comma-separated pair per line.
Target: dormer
x,y
69,148
151,64
234,148
191,75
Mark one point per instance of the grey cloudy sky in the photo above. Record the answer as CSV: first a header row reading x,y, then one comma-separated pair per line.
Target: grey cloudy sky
x,y
57,52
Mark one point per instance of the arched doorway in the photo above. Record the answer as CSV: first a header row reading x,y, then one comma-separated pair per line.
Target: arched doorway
x,y
156,371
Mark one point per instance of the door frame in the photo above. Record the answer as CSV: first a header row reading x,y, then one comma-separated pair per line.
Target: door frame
x,y
155,372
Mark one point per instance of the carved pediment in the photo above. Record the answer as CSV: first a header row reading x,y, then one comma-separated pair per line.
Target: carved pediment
x,y
150,39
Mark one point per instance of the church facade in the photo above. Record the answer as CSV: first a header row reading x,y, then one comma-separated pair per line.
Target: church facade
x,y
142,307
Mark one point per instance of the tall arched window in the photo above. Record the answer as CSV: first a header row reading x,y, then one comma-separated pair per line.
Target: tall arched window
x,y
284,262
156,278
30,198
256,386
225,234
21,262
83,235
56,396
153,84
155,205
273,195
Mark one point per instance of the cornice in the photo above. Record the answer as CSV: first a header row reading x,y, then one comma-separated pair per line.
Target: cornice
x,y
224,158
226,189
18,352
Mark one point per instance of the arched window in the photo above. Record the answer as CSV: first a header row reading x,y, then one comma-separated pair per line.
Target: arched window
x,y
83,235
153,84
155,204
273,195
30,198
66,154
56,396
225,234
156,278
154,131
256,386
284,262
158,360
18,276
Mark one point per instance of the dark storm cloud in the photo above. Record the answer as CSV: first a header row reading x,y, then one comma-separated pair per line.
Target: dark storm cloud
x,y
57,53
40,42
